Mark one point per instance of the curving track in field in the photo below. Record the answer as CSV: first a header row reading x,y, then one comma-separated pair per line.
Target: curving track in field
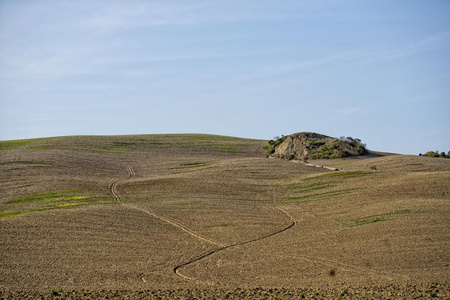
x,y
221,247
179,267
132,174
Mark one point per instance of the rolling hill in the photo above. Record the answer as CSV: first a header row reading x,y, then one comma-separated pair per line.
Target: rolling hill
x,y
201,216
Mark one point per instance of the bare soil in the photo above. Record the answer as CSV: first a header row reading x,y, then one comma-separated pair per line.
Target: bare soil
x,y
207,217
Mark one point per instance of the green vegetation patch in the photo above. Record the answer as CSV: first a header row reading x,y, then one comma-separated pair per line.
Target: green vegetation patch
x,y
270,147
317,196
99,150
323,186
311,187
436,154
15,213
14,144
374,218
118,146
54,195
41,148
267,176
89,144
200,142
339,175
219,147
229,148
210,137
194,165
328,151
50,200
27,143
337,148
23,162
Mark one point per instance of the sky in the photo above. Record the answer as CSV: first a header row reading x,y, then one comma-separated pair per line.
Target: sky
x,y
374,70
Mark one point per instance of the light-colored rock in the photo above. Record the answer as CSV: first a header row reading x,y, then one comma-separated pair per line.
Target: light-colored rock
x,y
304,145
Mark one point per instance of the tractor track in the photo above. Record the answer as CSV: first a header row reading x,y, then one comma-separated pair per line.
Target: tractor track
x,y
221,247
132,174
205,255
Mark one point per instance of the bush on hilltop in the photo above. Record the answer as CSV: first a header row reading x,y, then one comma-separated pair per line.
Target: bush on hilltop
x,y
436,154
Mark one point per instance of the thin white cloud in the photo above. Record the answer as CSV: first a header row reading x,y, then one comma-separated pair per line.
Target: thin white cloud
x,y
112,16
108,17
355,57
41,53
405,49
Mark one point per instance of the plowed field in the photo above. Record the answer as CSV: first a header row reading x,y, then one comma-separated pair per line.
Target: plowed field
x,y
204,216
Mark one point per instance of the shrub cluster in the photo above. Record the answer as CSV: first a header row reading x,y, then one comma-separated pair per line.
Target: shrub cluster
x,y
356,143
273,143
337,148
436,154
331,149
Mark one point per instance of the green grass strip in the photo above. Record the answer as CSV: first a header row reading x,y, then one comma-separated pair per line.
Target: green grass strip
x,y
44,197
14,144
317,196
374,218
16,213
339,175
194,165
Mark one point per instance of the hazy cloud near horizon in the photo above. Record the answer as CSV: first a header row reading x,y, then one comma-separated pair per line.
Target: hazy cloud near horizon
x,y
374,70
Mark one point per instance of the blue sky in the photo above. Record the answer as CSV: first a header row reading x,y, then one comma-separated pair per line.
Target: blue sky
x,y
375,70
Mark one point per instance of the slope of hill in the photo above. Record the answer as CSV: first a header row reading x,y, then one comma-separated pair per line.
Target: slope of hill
x,y
211,215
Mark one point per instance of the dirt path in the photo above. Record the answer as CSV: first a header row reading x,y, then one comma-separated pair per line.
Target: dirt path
x,y
221,247
177,269
132,174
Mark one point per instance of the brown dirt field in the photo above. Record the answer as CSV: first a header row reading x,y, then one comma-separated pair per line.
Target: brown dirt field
x,y
207,217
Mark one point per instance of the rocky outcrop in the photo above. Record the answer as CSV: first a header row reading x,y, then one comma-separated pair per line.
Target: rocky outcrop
x,y
310,145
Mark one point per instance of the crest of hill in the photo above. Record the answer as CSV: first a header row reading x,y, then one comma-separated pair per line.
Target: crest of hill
x,y
310,145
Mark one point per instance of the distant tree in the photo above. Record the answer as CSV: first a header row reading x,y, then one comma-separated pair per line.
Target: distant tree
x,y
431,154
436,154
